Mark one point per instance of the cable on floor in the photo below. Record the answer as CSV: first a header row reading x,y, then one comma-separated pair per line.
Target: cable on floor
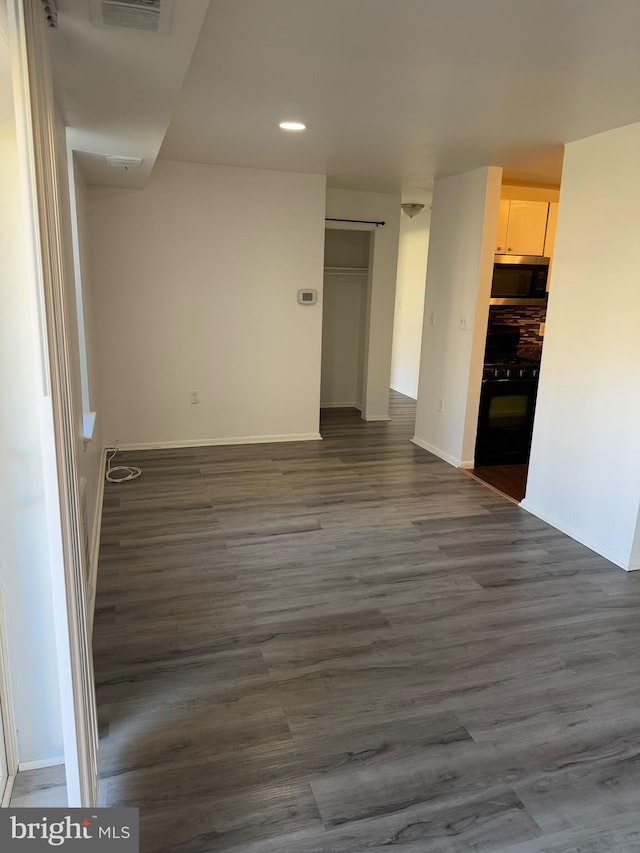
x,y
120,473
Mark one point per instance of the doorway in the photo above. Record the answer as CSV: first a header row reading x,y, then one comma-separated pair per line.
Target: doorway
x,y
347,263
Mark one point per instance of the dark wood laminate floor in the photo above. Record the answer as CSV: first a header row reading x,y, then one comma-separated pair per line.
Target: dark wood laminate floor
x,y
509,479
348,645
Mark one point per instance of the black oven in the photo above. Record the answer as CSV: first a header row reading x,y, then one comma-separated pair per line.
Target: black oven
x,y
507,400
519,280
505,422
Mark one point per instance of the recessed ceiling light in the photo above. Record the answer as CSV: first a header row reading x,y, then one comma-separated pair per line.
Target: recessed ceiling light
x,y
292,125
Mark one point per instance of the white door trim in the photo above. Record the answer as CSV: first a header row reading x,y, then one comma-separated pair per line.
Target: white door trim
x,y
7,716
37,131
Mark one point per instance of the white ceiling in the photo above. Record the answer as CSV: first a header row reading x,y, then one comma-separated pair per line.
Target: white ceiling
x,y
394,92
118,88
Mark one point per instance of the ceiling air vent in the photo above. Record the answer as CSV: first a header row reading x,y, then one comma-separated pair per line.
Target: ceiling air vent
x,y
150,16
125,163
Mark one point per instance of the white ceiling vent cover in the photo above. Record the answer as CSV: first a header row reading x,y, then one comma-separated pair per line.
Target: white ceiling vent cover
x,y
149,16
125,163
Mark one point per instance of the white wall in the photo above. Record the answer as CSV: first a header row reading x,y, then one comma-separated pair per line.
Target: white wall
x,y
460,264
410,287
384,207
343,336
584,474
347,248
24,557
195,282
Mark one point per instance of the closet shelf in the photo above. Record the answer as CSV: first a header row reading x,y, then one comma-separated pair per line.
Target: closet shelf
x,y
346,270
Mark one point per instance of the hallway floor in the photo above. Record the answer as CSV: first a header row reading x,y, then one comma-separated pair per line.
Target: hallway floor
x,y
349,645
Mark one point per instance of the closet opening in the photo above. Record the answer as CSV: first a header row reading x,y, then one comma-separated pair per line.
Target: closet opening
x,y
345,318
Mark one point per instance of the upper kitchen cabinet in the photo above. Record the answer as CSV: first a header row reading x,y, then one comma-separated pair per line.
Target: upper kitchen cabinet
x,y
503,224
521,227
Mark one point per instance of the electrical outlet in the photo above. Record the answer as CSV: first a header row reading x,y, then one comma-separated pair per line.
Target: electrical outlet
x,y
432,318
463,324
194,397
441,405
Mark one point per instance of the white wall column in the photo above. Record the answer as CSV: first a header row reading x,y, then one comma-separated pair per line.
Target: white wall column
x,y
409,311
584,474
464,220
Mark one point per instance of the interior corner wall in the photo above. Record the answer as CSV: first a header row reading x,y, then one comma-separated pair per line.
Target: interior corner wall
x,y
25,571
384,207
195,280
459,268
584,471
409,310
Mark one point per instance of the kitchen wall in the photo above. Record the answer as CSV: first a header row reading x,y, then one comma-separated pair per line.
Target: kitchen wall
x,y
527,319
25,569
196,281
409,311
385,207
584,474
459,269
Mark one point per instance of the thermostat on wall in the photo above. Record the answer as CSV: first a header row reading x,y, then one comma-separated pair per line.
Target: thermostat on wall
x,y
307,297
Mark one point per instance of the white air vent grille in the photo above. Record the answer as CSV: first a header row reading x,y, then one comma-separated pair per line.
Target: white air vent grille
x,y
151,16
123,162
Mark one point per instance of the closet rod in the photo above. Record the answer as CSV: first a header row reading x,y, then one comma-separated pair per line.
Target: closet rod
x,y
362,221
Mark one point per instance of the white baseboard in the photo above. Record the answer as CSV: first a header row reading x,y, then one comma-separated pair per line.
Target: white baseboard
x,y
404,392
40,765
437,452
221,442
341,406
95,543
374,418
578,536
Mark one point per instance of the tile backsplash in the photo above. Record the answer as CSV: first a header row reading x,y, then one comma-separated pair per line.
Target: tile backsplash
x,y
527,318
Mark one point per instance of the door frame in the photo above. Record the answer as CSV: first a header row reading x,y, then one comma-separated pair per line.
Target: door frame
x,y
7,716
36,126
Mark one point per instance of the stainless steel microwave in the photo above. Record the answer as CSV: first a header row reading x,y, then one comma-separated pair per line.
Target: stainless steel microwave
x,y
519,280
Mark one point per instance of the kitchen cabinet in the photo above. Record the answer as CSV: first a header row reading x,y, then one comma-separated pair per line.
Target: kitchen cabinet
x,y
503,222
521,227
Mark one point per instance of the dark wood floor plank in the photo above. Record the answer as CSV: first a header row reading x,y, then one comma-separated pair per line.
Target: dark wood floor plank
x,y
348,645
